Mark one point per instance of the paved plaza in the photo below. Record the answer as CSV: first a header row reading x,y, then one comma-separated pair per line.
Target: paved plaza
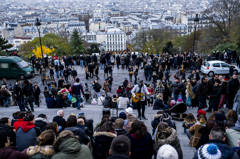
x,y
95,112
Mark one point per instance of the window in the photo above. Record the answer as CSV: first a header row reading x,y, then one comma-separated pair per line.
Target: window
x,y
13,65
22,64
224,65
216,65
4,65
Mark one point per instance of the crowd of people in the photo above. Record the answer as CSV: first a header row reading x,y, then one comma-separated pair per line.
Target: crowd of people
x,y
125,136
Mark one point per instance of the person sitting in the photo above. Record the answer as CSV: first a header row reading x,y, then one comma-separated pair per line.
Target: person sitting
x,y
123,101
72,126
208,151
60,102
167,135
54,126
193,133
119,127
51,101
188,121
108,100
60,120
128,121
102,140
205,131
87,122
219,118
167,152
81,125
141,141
41,122
5,124
114,103
67,146
9,152
158,103
19,122
120,148
44,149
232,132
27,133
15,117
217,137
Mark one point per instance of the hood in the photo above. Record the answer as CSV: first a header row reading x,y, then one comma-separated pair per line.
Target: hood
x,y
157,116
41,119
107,134
6,152
27,126
114,100
169,140
69,145
47,150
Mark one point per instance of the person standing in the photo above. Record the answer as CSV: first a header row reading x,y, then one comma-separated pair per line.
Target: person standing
x,y
5,95
110,80
18,92
97,71
140,88
57,71
118,61
28,92
215,96
130,70
135,74
51,72
177,88
106,86
202,90
232,88
74,74
61,67
32,59
76,92
122,60
106,70
43,76
36,93
97,87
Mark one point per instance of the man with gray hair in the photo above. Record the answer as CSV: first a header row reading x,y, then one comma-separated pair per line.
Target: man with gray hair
x,y
60,120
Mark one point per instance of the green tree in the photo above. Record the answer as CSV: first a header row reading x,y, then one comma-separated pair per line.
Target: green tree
x,y
94,48
4,46
76,43
180,43
226,46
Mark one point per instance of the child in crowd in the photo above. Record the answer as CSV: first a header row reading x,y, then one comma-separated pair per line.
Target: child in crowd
x,y
188,121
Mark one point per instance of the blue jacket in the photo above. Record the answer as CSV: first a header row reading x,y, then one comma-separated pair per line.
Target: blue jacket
x,y
50,102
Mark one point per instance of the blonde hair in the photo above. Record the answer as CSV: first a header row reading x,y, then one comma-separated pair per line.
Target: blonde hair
x,y
160,84
159,96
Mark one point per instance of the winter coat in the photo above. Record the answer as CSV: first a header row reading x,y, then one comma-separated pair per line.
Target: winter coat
x,y
190,92
232,86
60,121
40,152
195,130
171,140
70,148
4,93
194,76
43,75
18,123
36,92
106,87
202,89
121,132
232,134
157,119
118,157
18,91
204,137
118,60
51,102
215,96
41,123
177,88
141,148
10,132
83,138
123,102
122,60
158,104
60,103
26,135
74,73
10,153
102,143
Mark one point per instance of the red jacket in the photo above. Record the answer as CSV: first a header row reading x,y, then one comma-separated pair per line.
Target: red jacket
x,y
151,91
18,123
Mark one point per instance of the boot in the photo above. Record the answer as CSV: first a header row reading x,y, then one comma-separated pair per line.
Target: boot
x,y
144,118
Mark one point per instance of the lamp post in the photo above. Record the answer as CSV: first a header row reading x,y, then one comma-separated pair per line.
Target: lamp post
x,y
196,20
39,24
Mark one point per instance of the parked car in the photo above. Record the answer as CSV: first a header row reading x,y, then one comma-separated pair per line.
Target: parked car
x,y
217,67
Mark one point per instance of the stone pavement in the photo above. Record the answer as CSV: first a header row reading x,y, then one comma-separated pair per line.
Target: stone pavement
x,y
95,112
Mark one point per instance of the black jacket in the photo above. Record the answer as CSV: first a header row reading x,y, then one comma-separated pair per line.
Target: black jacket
x,y
215,95
202,89
204,137
56,68
121,132
232,86
118,157
83,138
61,121
10,132
18,91
177,88
192,76
141,148
28,90
74,73
41,123
36,92
158,104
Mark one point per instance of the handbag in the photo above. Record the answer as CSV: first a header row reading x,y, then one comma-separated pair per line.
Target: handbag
x,y
73,100
131,72
189,101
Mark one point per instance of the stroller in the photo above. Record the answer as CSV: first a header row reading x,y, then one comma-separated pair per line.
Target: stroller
x,y
236,104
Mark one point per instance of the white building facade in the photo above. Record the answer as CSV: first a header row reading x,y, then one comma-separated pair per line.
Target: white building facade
x,y
115,40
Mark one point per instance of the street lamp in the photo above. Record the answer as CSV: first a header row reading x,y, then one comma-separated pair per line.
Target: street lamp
x,y
196,20
39,24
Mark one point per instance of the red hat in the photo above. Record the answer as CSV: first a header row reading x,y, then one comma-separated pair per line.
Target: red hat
x,y
200,112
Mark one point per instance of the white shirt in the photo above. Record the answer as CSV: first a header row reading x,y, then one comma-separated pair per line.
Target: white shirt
x,y
143,90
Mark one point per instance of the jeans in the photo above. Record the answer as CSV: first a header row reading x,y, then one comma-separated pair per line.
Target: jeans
x,y
234,60
110,87
202,102
57,74
149,76
189,135
102,65
6,101
98,94
177,96
26,101
61,73
78,102
81,63
20,101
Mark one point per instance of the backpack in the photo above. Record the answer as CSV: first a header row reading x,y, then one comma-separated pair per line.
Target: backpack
x,y
194,89
107,102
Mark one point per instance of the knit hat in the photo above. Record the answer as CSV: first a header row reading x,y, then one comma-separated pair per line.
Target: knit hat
x,y
238,121
218,81
123,115
201,112
220,116
167,152
209,151
179,100
129,110
226,78
114,96
81,114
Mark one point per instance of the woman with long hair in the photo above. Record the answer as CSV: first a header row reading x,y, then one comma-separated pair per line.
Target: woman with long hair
x,y
141,141
188,121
